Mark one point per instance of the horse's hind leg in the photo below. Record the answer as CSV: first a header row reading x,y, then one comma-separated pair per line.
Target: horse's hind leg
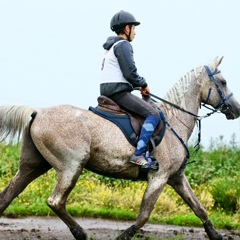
x,y
31,166
183,188
67,176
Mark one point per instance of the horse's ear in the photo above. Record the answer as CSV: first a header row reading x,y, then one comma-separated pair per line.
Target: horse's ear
x,y
219,60
216,62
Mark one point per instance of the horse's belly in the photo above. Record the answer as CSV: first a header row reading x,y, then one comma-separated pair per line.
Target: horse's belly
x,y
112,162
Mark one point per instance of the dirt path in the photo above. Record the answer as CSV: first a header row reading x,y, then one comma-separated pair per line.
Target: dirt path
x,y
49,228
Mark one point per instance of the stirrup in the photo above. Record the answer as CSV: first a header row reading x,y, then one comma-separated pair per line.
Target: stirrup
x,y
152,165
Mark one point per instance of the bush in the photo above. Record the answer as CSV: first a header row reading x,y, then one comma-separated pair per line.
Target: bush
x,y
226,193
219,161
218,168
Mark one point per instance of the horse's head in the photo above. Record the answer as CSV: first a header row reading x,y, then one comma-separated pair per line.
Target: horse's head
x,y
216,92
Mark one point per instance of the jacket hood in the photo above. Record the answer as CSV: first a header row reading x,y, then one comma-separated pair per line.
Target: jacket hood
x,y
110,41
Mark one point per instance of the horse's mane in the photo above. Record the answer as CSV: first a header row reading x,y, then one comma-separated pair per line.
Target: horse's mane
x,y
176,94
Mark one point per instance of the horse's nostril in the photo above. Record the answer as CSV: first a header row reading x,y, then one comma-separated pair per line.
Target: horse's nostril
x,y
224,108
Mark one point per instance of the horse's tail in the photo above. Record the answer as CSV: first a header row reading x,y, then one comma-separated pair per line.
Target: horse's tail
x,y
14,119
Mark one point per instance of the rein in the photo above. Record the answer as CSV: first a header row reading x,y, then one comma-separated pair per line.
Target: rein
x,y
172,104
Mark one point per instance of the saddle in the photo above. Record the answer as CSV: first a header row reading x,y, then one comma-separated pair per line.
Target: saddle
x,y
108,109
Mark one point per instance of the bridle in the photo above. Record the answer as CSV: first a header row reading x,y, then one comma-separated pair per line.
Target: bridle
x,y
222,105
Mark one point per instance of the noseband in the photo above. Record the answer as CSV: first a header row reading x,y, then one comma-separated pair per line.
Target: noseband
x,y
222,106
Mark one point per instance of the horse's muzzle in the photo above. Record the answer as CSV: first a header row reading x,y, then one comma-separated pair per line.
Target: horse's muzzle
x,y
230,111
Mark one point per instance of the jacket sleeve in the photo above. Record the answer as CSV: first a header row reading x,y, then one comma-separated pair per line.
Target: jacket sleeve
x,y
124,53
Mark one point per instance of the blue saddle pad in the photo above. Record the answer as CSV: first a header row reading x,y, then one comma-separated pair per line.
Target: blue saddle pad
x,y
124,123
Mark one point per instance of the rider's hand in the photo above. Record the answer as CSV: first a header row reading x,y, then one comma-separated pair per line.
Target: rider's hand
x,y
145,91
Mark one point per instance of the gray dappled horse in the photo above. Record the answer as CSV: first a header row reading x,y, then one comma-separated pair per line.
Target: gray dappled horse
x,y
69,139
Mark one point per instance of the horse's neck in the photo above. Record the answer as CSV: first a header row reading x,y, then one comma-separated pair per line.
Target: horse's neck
x,y
185,94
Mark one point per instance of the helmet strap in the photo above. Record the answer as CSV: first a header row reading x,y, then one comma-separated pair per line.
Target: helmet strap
x,y
129,34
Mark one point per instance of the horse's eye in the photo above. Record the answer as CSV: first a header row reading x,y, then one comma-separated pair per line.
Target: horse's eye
x,y
221,80
224,82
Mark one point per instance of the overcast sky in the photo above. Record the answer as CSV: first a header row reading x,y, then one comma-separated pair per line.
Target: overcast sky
x,y
51,51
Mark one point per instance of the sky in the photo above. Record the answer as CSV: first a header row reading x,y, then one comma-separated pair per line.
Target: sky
x,y
51,51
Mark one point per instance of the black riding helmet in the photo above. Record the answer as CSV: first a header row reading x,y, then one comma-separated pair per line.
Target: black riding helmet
x,y
122,19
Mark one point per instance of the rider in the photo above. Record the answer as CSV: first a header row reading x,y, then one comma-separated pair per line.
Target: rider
x,y
119,77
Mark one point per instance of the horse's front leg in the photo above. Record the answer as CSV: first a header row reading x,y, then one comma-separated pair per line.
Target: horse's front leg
x,y
154,188
181,185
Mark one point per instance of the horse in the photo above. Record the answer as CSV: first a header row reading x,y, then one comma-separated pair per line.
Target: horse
x,y
69,139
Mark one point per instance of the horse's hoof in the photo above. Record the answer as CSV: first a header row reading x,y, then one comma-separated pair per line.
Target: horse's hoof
x,y
211,232
78,233
128,233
